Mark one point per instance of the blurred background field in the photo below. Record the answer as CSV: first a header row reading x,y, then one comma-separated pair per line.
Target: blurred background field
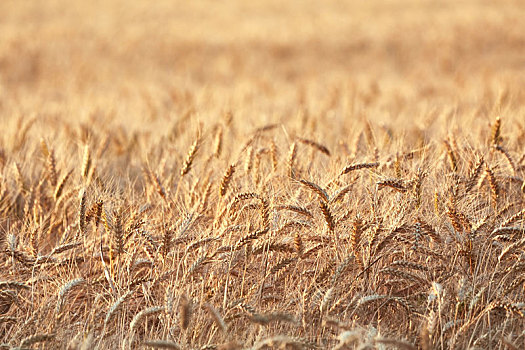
x,y
261,58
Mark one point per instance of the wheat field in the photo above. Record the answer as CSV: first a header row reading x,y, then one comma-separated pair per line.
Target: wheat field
x,y
262,174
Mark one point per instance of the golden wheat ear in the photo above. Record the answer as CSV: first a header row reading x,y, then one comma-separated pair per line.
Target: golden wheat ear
x,y
190,157
226,179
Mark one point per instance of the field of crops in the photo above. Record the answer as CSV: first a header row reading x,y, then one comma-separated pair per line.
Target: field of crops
x,y
262,174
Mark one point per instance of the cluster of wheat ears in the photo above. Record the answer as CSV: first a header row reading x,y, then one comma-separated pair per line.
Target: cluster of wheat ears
x,y
278,242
